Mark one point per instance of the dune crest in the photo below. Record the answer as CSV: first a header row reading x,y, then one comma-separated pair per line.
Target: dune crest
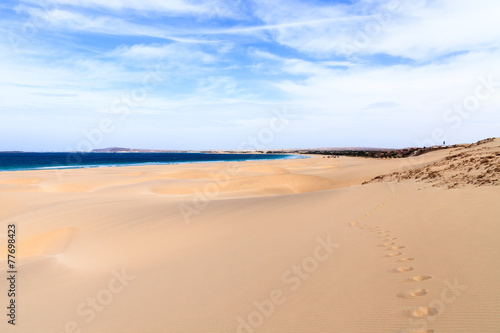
x,y
478,165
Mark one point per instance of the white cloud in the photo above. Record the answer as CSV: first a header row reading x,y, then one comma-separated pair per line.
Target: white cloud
x,y
170,7
64,20
264,54
440,28
179,53
413,29
404,95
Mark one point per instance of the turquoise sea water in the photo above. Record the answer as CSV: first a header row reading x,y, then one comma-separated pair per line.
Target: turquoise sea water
x,y
31,161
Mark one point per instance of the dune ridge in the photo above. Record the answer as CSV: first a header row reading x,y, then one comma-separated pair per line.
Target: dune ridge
x,y
478,165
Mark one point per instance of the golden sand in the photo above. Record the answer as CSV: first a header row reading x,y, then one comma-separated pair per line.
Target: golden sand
x,y
259,246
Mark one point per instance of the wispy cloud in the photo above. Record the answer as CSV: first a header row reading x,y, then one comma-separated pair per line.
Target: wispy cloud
x,y
413,29
170,8
72,21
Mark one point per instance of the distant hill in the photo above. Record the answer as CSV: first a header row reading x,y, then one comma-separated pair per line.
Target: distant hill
x,y
328,151
127,150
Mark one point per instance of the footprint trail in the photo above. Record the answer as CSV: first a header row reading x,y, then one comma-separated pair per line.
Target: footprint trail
x,y
389,244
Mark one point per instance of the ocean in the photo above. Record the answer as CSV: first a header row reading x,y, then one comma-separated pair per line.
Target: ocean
x,y
33,161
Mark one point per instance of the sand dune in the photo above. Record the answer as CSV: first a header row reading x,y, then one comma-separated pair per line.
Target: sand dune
x,y
262,246
477,165
51,242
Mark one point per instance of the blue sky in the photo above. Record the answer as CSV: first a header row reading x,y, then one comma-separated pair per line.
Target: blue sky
x,y
179,74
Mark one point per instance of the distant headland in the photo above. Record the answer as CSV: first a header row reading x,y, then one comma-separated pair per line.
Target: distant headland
x,y
330,152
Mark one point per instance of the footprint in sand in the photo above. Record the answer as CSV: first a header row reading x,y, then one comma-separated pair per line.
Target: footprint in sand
x,y
421,312
395,248
386,244
419,278
393,254
413,293
411,330
405,259
403,269
390,239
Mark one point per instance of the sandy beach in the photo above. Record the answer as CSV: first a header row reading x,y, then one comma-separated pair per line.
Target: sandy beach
x,y
299,245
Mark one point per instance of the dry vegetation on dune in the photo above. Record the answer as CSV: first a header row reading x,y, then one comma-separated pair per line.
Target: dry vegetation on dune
x,y
479,165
